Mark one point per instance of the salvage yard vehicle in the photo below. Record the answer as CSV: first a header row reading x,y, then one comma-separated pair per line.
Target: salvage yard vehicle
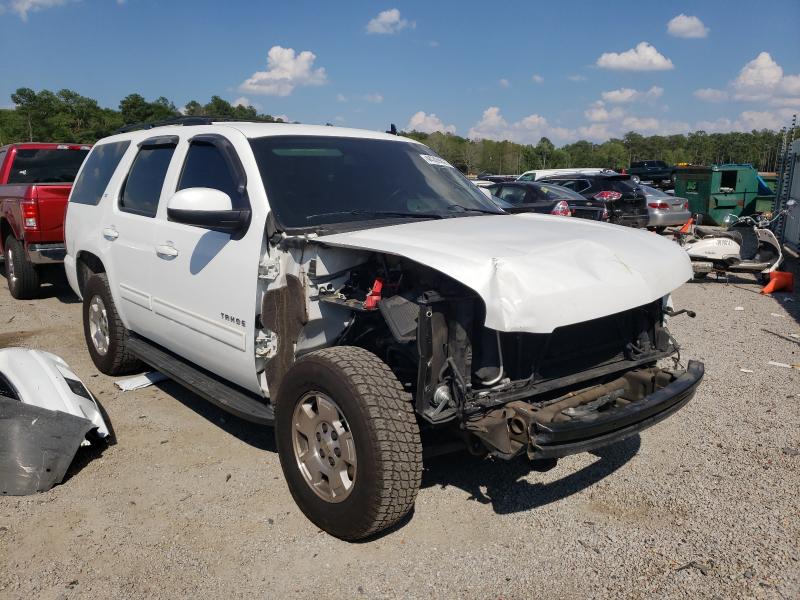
x,y
35,181
46,414
527,196
625,200
656,171
665,210
358,292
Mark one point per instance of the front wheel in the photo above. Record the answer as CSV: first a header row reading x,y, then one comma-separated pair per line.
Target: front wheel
x,y
348,442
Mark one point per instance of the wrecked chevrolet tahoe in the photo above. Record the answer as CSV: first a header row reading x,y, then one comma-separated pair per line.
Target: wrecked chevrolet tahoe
x,y
357,292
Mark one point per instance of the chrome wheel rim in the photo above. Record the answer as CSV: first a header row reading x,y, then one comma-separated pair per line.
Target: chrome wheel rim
x,y
324,448
12,276
98,325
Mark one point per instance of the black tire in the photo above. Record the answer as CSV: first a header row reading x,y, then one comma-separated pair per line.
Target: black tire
x,y
24,283
385,433
701,275
660,229
117,360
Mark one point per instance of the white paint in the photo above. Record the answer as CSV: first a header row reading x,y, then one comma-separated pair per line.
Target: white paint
x,y
537,272
38,378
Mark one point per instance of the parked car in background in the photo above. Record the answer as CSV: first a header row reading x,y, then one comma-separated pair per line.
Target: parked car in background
x,y
625,201
35,182
665,209
537,174
529,196
656,171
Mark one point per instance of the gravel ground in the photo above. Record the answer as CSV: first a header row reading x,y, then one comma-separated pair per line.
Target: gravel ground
x,y
191,501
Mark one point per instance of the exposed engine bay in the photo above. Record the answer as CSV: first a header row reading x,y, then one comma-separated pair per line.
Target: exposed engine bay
x,y
495,388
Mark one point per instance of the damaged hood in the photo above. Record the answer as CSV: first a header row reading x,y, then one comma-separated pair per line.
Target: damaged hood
x,y
536,272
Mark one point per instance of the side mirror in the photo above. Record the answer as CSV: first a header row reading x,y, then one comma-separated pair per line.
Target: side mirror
x,y
207,208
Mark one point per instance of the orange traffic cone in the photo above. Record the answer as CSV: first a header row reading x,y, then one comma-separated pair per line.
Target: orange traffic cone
x,y
686,226
779,282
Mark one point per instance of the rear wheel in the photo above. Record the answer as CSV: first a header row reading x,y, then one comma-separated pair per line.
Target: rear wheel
x,y
23,278
348,442
106,336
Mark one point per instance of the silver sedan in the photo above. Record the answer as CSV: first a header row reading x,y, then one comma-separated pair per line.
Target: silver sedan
x,y
665,210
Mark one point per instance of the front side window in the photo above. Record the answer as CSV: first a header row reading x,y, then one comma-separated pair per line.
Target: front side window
x,y
94,178
39,165
315,180
206,167
146,178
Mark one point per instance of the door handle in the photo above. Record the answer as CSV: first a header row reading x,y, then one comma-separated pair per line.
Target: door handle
x,y
110,233
166,251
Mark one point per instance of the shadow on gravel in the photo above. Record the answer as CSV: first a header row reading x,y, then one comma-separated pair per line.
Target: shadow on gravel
x,y
507,491
258,436
54,285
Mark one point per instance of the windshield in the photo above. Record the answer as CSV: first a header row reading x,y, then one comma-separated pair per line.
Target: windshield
x,y
556,192
313,180
37,165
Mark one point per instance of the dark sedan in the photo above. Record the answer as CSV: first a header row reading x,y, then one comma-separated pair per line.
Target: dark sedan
x,y
624,198
535,196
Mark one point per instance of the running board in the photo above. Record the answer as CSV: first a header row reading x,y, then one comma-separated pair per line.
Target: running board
x,y
234,400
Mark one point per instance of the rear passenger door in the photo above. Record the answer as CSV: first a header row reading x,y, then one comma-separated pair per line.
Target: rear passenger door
x,y
205,282
128,235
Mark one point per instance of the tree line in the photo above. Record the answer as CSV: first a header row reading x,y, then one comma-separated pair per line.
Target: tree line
x,y
66,116
70,117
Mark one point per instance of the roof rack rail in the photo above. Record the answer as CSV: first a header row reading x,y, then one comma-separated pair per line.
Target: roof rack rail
x,y
185,120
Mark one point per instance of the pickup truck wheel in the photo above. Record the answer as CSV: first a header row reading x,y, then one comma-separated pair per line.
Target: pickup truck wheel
x,y
23,278
348,442
106,336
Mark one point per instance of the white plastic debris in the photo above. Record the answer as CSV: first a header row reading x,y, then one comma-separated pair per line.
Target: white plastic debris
x,y
739,308
777,315
795,335
746,370
775,363
140,381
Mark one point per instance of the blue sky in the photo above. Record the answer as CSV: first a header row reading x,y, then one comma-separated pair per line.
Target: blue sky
x,y
515,70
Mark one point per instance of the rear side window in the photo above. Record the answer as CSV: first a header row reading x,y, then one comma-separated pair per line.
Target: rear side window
x,y
94,178
206,167
623,186
38,165
514,195
145,180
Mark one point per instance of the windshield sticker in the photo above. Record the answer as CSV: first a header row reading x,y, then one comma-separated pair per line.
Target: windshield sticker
x,y
435,160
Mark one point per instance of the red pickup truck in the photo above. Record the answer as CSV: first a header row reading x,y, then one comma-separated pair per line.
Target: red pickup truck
x,y
35,181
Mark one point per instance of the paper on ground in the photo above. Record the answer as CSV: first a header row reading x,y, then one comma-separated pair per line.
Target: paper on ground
x,y
140,381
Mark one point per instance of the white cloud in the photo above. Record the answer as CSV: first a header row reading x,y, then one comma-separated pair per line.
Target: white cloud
x,y
282,117
428,123
504,83
576,78
527,130
242,101
537,79
749,120
762,79
341,98
373,98
23,7
685,26
643,57
388,22
626,95
711,95
286,70
597,112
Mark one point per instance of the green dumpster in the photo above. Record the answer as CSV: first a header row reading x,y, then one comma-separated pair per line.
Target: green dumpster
x,y
720,190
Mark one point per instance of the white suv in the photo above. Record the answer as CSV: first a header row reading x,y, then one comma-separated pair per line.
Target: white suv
x,y
357,291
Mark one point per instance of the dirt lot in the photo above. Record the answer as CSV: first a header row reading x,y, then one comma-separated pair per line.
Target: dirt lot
x,y
191,501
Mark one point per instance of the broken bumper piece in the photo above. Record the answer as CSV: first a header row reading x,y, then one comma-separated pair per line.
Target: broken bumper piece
x,y
37,446
601,428
587,419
